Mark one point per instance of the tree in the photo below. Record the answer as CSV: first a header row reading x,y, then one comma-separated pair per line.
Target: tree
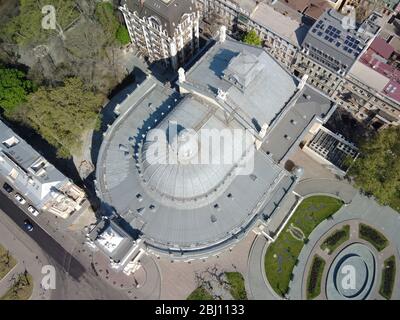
x,y
14,88
61,115
252,38
377,169
26,28
108,20
123,35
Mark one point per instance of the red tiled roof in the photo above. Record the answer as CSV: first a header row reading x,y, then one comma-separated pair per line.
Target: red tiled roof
x,y
382,48
392,90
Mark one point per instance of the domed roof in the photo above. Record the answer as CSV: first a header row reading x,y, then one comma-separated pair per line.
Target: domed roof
x,y
173,170
192,155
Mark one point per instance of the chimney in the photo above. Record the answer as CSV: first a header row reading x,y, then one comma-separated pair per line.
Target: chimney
x,y
303,82
182,75
222,34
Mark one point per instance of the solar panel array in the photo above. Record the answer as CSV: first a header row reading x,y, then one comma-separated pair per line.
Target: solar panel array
x,y
335,36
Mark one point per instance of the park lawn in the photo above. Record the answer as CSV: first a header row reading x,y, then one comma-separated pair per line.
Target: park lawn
x,y
281,255
200,294
7,262
314,277
373,236
388,277
236,283
21,289
333,241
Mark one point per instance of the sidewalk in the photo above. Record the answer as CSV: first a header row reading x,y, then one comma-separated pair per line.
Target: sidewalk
x,y
29,258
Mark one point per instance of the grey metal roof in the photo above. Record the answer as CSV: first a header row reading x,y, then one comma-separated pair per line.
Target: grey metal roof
x,y
294,123
178,173
333,41
268,87
169,12
165,226
160,200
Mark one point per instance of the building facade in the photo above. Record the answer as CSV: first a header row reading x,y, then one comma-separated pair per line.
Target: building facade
x,y
347,77
326,52
277,32
163,30
35,179
329,51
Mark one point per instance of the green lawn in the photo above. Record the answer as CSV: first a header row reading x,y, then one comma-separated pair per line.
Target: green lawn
x,y
200,294
281,256
373,236
388,277
7,262
314,277
336,239
236,282
21,289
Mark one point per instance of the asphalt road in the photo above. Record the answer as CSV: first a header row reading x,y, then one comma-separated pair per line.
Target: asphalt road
x,y
50,246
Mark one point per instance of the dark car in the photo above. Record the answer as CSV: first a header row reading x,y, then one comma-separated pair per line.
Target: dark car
x,y
28,225
8,188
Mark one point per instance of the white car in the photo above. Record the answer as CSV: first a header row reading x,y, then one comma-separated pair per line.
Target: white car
x,y
20,199
33,211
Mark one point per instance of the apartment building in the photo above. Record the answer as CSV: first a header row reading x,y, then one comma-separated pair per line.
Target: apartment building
x,y
281,35
163,30
39,183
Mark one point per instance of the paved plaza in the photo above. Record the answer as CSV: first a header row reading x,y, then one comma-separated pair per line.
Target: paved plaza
x,y
357,208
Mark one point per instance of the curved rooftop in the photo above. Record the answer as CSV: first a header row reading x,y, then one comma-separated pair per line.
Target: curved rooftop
x,y
179,164
186,208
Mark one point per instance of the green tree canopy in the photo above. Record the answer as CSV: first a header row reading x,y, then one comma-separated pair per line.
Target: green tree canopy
x,y
251,37
61,115
123,35
377,170
26,27
106,16
14,88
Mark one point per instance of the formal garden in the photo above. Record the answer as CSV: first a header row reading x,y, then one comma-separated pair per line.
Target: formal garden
x,y
338,237
200,293
236,283
282,255
7,262
315,277
373,236
388,277
216,285
21,289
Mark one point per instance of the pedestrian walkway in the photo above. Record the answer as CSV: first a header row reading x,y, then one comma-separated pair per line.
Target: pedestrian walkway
x,y
145,283
29,258
258,286
361,208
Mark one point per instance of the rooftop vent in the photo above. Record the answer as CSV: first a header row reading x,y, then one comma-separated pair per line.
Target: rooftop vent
x,y
287,137
217,207
11,142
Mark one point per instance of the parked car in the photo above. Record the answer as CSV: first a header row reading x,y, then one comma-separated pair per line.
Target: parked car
x,y
20,199
8,188
28,225
33,211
